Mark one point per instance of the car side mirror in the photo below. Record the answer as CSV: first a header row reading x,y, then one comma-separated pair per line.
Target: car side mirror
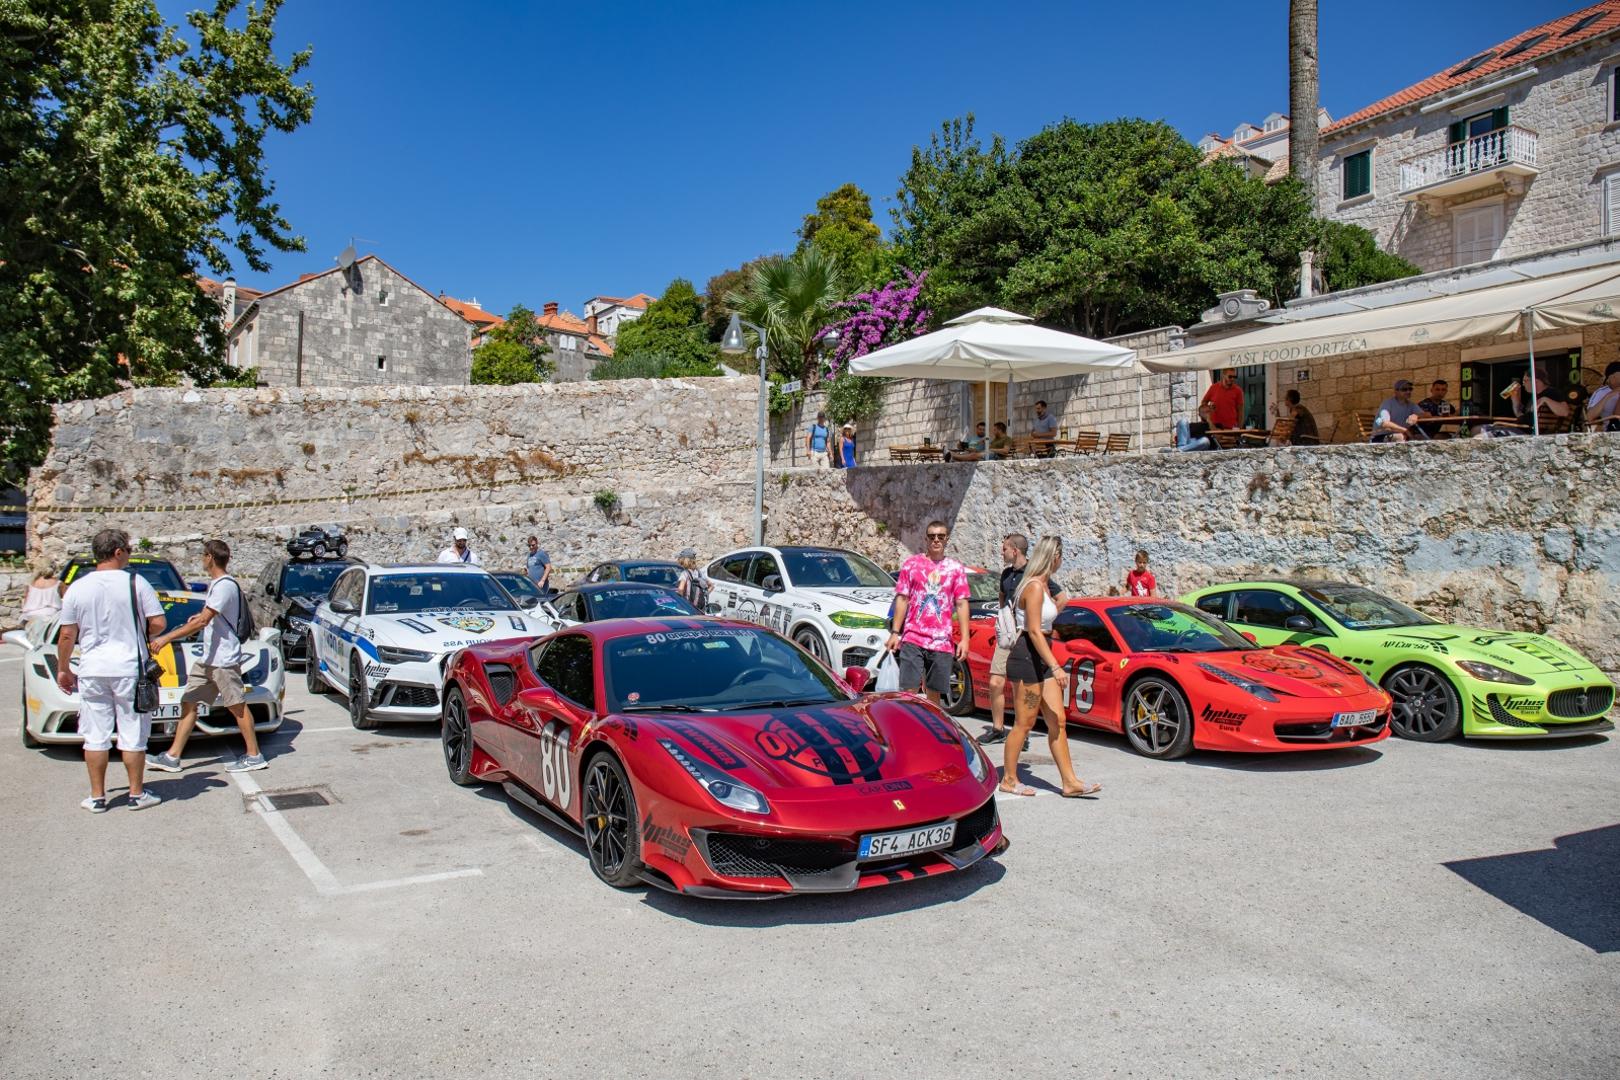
x,y
772,583
1251,637
711,609
1301,623
343,607
270,589
858,678
528,603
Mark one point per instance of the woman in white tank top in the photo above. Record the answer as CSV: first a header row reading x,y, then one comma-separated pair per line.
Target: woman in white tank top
x,y
1039,681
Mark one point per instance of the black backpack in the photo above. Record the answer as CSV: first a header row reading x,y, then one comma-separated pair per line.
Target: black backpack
x,y
246,627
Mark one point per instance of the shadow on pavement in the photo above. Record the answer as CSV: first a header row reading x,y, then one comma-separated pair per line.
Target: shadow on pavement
x,y
1531,745
549,830
171,787
1569,887
1294,761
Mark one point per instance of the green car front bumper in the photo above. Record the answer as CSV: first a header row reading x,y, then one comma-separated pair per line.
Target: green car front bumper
x,y
1565,709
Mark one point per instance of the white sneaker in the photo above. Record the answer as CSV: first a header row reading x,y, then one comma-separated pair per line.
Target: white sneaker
x,y
143,800
95,805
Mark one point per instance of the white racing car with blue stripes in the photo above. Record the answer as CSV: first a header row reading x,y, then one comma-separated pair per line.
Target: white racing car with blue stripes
x,y
383,634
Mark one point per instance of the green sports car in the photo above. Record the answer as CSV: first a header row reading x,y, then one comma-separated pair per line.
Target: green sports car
x,y
1444,678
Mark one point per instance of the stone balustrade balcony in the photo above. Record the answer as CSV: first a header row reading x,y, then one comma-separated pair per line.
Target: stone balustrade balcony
x,y
1506,157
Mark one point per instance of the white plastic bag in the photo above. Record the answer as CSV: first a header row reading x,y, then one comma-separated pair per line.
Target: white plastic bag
x,y
885,671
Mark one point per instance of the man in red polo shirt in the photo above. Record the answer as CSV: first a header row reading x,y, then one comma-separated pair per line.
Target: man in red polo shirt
x,y
1225,398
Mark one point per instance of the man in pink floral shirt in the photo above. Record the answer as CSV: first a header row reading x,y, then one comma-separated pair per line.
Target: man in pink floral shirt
x,y
932,591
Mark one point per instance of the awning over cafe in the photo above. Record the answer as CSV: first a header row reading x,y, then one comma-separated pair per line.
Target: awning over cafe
x,y
1559,301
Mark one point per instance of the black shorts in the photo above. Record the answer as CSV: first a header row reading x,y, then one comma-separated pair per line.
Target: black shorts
x,y
1024,664
924,667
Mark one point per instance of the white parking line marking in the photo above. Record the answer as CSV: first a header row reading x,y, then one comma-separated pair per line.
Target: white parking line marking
x,y
325,882
313,730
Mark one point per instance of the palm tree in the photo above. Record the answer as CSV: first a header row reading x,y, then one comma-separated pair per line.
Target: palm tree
x,y
791,298
1303,87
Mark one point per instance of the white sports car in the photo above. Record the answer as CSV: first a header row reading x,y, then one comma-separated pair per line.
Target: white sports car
x,y
834,604
51,716
384,633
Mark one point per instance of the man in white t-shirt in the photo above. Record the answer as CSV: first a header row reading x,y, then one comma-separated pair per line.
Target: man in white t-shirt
x,y
217,679
460,549
1603,407
99,619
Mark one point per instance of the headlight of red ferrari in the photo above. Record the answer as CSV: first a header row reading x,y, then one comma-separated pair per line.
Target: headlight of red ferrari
x,y
723,789
975,760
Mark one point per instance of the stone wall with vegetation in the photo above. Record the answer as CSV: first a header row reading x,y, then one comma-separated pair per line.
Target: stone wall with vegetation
x,y
1519,533
598,470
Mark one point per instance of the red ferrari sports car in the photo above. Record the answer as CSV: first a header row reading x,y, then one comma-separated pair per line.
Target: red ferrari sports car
x,y
714,758
1173,678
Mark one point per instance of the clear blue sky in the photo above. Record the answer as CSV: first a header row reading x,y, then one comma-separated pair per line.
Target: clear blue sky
x,y
526,152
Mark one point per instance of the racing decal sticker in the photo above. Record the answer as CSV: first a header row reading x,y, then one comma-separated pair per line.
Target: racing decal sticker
x,y
671,840
936,725
377,672
884,788
420,628
1281,665
712,747
1535,650
472,624
1531,705
1082,683
556,782
517,623
821,742
864,596
1225,718
1423,645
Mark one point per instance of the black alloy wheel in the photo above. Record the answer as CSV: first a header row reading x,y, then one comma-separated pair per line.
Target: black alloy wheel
x,y
312,669
359,696
1158,722
612,834
958,697
807,639
1426,708
456,735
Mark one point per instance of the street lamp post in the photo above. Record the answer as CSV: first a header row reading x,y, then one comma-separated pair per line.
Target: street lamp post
x,y
732,343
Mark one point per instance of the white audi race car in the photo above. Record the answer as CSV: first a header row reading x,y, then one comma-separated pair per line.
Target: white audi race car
x,y
834,604
383,635
51,716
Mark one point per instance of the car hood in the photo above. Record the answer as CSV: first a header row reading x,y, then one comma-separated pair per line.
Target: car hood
x,y
437,631
1300,673
874,601
875,738
1522,653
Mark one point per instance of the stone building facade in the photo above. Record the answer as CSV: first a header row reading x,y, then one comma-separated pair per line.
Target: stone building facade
x,y
1512,151
368,325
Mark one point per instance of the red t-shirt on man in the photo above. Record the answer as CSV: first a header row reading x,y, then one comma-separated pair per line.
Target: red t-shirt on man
x,y
1140,582
1227,402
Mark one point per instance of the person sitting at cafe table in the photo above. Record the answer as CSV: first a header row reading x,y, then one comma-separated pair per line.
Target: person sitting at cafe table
x,y
1397,418
1225,399
1436,404
1601,408
1194,436
971,448
1304,433
1526,402
1001,445
1043,432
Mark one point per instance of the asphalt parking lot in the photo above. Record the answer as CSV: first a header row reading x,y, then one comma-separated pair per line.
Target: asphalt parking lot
x,y
1405,910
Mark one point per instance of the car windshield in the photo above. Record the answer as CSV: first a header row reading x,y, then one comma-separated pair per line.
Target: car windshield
x,y
982,587
179,609
712,669
519,585
310,579
1173,628
637,604
824,568
651,573
159,573
393,594
1355,608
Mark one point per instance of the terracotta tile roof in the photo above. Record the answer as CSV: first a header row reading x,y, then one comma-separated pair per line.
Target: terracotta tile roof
x,y
216,289
566,322
1523,48
472,312
640,300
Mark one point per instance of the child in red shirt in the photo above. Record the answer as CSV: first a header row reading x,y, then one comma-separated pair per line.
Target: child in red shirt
x,y
1140,582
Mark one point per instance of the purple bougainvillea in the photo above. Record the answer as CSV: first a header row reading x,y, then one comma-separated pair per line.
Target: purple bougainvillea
x,y
874,319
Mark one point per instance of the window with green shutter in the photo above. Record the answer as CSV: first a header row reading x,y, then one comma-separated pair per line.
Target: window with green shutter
x,y
1358,175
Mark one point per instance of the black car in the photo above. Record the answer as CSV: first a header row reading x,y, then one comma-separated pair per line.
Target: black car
x,y
159,573
525,593
285,597
646,571
620,600
318,543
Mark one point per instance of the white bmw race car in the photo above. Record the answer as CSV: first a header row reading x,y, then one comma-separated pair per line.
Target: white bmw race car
x,y
834,604
51,716
383,635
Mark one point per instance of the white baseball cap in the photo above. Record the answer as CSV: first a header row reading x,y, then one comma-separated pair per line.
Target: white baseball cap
x,y
459,534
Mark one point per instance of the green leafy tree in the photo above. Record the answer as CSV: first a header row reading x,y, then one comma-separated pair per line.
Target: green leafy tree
x,y
791,299
842,227
513,352
670,340
1349,257
130,160
716,312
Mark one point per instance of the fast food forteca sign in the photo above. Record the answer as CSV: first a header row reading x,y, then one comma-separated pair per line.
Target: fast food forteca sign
x,y
1307,350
